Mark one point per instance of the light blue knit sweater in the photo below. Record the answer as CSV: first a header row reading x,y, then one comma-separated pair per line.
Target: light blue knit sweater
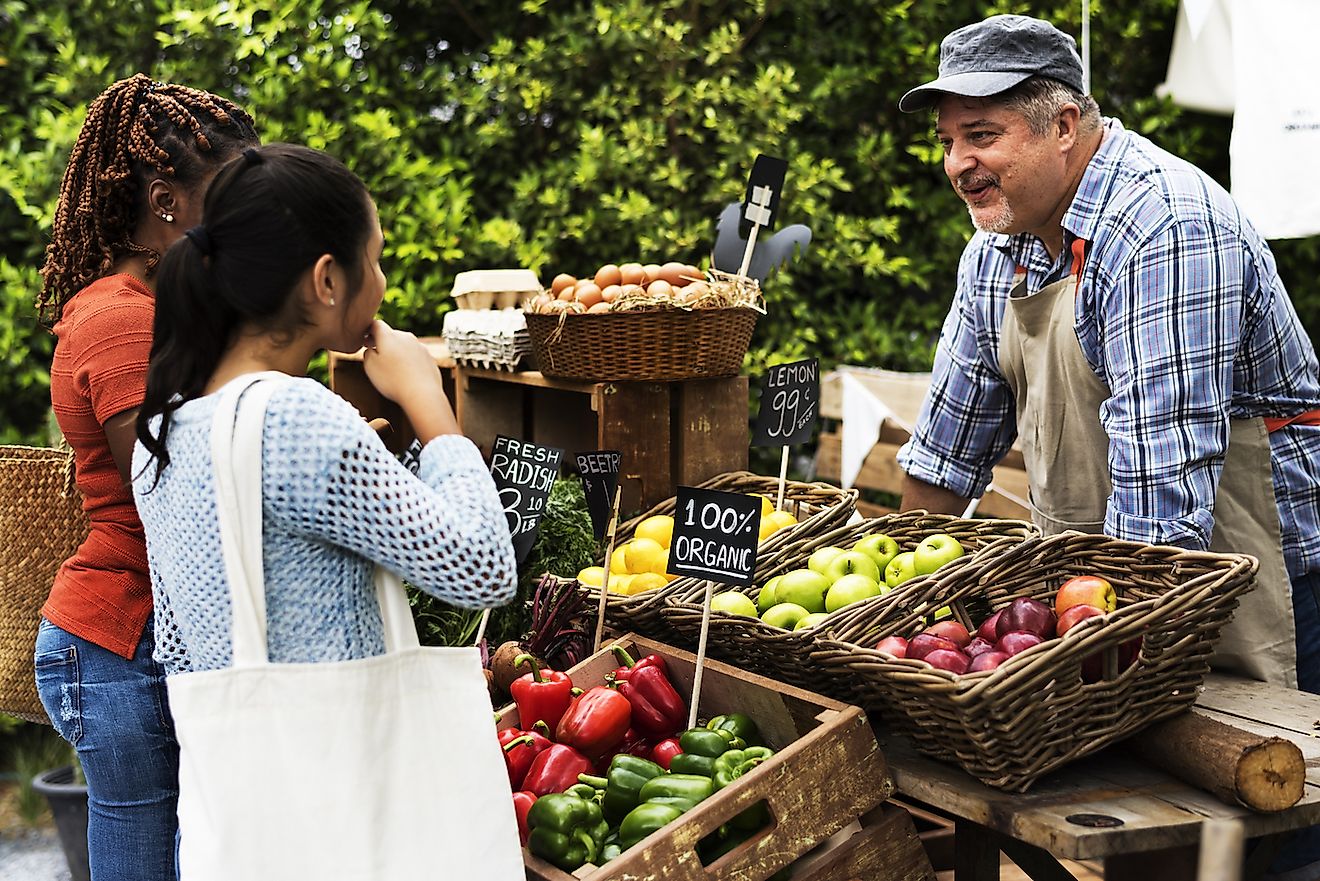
x,y
335,502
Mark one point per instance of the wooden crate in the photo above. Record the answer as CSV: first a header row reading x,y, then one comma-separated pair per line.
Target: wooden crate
x,y
882,846
827,773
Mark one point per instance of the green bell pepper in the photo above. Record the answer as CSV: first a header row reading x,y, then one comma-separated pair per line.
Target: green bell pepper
x,y
692,787
566,830
737,762
611,848
621,784
701,747
674,801
585,790
741,725
643,820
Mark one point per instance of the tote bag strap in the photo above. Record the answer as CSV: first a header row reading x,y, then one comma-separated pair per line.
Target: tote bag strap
x,y
236,437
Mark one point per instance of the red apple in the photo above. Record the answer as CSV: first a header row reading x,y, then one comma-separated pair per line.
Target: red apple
x,y
1085,590
987,661
978,646
1017,641
924,643
1029,615
1093,668
894,645
1075,615
987,629
945,659
950,630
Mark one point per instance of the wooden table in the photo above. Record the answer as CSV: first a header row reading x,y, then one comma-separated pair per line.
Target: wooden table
x,y
1071,814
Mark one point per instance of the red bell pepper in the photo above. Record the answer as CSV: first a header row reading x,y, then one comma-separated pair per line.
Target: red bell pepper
x,y
634,743
627,664
664,751
540,697
520,751
556,769
658,710
522,803
595,722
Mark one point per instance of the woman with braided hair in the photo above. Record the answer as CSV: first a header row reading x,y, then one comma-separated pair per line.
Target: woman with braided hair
x,y
135,181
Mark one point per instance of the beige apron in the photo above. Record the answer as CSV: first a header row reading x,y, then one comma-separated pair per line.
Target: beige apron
x,y
1066,453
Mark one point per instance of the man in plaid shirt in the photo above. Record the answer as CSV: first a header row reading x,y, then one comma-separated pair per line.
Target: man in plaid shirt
x,y
1118,316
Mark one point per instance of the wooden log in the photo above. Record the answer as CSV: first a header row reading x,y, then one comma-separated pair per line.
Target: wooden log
x,y
1236,766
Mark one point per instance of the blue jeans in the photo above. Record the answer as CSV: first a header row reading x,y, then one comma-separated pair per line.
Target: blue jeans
x,y
115,714
1303,847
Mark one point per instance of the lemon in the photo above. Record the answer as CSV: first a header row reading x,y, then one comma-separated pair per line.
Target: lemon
x,y
592,575
775,521
620,584
616,560
660,529
662,564
645,581
767,507
642,555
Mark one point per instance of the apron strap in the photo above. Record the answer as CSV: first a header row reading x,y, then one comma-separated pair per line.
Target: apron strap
x,y
1309,417
1079,260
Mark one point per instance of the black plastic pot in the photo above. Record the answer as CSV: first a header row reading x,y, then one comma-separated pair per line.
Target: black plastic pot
x,y
68,806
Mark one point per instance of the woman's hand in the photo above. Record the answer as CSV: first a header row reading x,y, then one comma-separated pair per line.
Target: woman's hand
x,y
403,371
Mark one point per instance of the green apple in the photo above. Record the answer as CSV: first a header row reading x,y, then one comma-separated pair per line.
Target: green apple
x,y
851,589
804,587
810,620
934,551
820,558
733,602
766,598
850,562
900,569
878,547
785,615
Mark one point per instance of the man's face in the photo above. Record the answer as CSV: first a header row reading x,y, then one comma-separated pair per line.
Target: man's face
x,y
1011,179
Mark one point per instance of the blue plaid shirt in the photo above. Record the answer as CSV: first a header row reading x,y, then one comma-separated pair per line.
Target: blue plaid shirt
x,y
1180,312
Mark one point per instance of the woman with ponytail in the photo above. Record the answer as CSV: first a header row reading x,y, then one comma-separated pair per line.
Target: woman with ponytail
x,y
134,182
285,263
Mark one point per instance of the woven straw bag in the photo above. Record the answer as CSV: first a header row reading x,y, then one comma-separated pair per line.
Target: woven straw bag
x,y
41,525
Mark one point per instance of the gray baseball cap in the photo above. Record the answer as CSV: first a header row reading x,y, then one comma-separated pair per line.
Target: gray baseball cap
x,y
996,54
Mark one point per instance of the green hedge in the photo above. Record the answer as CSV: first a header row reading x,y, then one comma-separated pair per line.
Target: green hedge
x,y
559,136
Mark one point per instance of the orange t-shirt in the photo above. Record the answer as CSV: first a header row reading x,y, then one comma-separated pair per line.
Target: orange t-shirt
x,y
103,592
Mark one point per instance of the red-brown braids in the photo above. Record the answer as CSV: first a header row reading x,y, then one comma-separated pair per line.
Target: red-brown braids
x,y
135,130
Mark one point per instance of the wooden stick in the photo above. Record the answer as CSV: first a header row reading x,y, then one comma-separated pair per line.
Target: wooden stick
x,y
747,254
701,655
1221,850
783,478
1236,766
605,579
481,628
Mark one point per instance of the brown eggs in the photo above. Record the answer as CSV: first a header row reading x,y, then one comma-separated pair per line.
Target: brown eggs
x,y
607,275
562,280
680,283
632,273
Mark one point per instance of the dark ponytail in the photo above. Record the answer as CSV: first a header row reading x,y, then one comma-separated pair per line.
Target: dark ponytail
x,y
269,215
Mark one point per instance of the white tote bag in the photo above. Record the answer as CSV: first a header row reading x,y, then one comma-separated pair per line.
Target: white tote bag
x,y
374,769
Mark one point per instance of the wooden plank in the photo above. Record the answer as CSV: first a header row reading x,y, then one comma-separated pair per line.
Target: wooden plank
x,y
1295,711
434,344
634,417
885,848
562,419
531,379
349,380
881,471
710,434
1156,811
486,408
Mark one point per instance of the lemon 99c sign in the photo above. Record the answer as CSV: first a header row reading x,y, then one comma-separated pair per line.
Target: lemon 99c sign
x,y
715,535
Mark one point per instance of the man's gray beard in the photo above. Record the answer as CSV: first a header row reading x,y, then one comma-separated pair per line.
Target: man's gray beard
x,y
1001,223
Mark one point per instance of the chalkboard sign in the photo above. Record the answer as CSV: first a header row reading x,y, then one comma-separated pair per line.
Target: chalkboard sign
x,y
600,475
715,535
524,472
790,400
764,185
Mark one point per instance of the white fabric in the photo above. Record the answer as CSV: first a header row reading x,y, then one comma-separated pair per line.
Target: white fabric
x,y
1200,72
1276,129
865,413
374,769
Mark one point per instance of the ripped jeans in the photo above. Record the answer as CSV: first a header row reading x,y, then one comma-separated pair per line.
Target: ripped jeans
x,y
115,714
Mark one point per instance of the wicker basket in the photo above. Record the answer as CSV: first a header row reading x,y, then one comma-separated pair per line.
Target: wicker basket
x,y
1034,713
786,654
819,508
664,345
